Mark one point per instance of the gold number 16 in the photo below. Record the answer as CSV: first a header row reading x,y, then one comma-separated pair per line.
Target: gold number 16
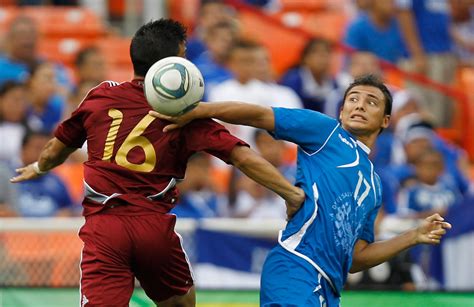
x,y
134,139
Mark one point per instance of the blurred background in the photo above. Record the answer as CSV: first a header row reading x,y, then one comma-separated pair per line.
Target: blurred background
x,y
287,53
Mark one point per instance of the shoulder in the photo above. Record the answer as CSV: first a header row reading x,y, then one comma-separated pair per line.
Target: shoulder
x,y
298,114
291,76
360,21
106,85
99,90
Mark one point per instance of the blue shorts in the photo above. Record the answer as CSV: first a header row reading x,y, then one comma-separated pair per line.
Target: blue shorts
x,y
288,280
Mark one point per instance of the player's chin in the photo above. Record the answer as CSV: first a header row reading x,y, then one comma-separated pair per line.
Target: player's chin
x,y
359,127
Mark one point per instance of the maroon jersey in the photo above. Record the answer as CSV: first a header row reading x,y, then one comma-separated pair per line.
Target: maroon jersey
x,y
130,159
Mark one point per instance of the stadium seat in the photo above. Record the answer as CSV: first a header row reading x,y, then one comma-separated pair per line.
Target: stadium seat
x,y
304,5
6,15
72,175
393,77
116,49
284,44
466,81
327,24
63,50
184,11
220,178
58,22
330,25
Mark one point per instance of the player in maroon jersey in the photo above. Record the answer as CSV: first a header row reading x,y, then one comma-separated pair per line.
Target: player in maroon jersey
x,y
130,179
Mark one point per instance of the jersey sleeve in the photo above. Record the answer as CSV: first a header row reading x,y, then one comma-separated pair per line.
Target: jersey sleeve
x,y
368,230
309,129
71,131
211,137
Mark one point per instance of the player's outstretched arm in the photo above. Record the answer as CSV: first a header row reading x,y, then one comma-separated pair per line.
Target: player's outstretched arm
x,y
368,255
263,172
53,154
232,112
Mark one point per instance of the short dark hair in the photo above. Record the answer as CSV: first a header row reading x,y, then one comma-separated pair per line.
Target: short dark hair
x,y
32,134
242,44
82,55
372,80
312,44
154,41
226,25
9,85
428,152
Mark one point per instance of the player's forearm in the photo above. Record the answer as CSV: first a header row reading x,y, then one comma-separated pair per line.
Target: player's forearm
x,y
369,255
238,113
409,32
263,172
53,154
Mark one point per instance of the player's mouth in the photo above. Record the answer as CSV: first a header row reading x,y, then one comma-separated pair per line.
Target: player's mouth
x,y
358,117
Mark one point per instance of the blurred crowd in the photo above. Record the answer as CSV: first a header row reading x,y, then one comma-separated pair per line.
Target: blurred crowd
x,y
421,172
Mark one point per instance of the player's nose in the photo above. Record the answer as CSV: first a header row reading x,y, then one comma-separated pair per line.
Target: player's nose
x,y
361,103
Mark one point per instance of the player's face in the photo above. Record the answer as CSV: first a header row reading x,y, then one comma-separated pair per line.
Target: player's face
x,y
363,111
429,167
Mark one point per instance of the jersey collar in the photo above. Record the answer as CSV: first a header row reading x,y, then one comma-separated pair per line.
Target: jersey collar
x,y
364,147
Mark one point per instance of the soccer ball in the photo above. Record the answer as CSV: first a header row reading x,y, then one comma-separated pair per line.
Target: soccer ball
x,y
173,86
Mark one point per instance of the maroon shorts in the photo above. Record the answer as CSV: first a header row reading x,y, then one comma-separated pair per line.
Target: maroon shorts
x,y
118,248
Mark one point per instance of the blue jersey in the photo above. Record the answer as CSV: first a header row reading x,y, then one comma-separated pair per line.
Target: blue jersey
x,y
343,192
422,197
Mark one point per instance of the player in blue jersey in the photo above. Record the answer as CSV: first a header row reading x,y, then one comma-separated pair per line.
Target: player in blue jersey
x,y
333,232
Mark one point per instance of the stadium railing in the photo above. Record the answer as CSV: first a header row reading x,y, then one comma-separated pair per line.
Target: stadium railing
x,y
225,253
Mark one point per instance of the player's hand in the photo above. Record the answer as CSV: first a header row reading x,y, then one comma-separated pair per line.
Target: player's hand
x,y
25,173
432,229
177,121
294,202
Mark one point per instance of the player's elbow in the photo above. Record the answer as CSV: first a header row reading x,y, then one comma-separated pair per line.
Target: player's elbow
x,y
355,268
241,157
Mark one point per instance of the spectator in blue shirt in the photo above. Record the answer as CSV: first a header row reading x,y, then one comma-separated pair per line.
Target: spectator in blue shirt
x,y
430,191
13,127
311,78
211,13
46,106
219,39
377,32
425,27
47,195
21,54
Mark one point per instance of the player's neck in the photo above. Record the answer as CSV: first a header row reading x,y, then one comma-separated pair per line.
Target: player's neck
x,y
367,140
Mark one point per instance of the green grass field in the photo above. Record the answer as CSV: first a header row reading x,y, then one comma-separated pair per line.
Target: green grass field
x,y
47,297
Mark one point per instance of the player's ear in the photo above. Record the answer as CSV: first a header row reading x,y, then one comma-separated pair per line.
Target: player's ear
x,y
386,121
340,112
